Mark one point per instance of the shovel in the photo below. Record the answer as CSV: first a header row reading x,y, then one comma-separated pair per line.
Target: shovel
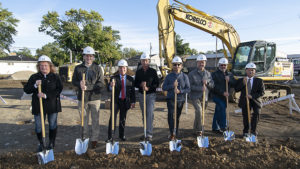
x,y
44,156
111,147
82,144
250,137
201,140
175,144
228,135
146,147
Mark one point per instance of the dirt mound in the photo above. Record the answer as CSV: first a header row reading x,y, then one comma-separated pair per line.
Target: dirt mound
x,y
220,154
21,75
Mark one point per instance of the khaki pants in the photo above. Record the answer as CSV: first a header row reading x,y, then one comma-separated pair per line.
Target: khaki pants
x,y
93,108
198,111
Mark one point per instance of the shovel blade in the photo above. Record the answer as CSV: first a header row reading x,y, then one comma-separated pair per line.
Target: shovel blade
x,y
202,142
112,148
175,145
229,135
146,148
45,157
251,138
81,146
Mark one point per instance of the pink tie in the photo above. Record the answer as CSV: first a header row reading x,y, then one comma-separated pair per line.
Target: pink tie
x,y
123,90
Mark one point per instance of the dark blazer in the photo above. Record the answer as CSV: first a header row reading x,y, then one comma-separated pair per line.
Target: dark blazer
x,y
257,91
51,86
220,83
130,90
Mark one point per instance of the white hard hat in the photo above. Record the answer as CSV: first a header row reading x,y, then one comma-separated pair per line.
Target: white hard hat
x,y
44,58
176,59
122,62
145,56
250,66
223,61
88,51
201,58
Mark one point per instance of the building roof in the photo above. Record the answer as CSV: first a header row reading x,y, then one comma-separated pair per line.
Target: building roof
x,y
17,58
292,56
219,55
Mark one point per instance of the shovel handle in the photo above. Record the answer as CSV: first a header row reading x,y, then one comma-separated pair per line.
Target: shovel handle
x,y
113,106
82,103
175,108
203,105
42,112
145,124
227,113
248,106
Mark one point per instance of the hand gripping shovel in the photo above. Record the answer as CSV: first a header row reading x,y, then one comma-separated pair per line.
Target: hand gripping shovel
x,y
175,144
82,144
111,147
44,156
146,147
250,137
228,135
201,140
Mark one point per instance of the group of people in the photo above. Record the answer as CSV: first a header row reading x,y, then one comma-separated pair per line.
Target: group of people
x,y
196,83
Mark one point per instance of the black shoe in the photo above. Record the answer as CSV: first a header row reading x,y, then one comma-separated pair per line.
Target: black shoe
x,y
109,140
148,138
93,144
123,138
223,130
217,131
245,135
40,148
50,146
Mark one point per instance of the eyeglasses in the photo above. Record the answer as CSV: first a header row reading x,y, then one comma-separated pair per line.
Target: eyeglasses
x,y
176,64
223,65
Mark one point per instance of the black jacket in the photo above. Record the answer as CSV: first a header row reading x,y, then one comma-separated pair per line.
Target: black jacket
x,y
94,81
257,91
130,90
51,86
220,83
150,77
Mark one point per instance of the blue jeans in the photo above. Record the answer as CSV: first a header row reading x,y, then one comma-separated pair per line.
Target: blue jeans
x,y
219,120
150,100
170,105
52,120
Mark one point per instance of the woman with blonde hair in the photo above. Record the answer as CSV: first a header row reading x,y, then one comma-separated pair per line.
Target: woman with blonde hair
x,y
51,86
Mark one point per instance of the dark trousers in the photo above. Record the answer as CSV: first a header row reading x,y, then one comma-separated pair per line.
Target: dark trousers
x,y
254,118
120,105
170,105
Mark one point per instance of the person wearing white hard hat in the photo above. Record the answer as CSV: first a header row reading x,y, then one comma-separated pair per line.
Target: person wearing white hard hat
x,y
124,98
146,79
256,90
220,77
200,80
181,80
92,86
51,86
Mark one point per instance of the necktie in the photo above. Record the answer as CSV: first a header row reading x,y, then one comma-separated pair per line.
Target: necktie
x,y
123,89
249,86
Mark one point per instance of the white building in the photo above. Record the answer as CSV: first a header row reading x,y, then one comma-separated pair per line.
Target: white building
x,y
12,64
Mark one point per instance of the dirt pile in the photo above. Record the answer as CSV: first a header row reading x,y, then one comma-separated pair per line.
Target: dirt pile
x,y
220,154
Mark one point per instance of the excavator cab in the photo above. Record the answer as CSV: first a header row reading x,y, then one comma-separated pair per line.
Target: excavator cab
x,y
261,53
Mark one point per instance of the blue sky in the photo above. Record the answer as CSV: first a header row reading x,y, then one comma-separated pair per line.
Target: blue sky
x,y
272,20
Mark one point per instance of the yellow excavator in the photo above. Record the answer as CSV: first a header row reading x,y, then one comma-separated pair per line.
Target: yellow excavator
x,y
271,67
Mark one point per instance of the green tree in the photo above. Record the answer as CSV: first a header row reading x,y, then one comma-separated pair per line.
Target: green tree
x,y
25,52
8,26
181,48
57,54
130,52
80,28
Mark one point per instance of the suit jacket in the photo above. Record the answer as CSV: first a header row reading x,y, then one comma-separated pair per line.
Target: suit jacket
x,y
130,90
257,91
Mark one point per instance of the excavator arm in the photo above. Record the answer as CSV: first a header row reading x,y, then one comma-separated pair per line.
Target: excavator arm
x,y
193,17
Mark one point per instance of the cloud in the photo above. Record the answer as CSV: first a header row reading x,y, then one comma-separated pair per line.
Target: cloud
x,y
237,14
